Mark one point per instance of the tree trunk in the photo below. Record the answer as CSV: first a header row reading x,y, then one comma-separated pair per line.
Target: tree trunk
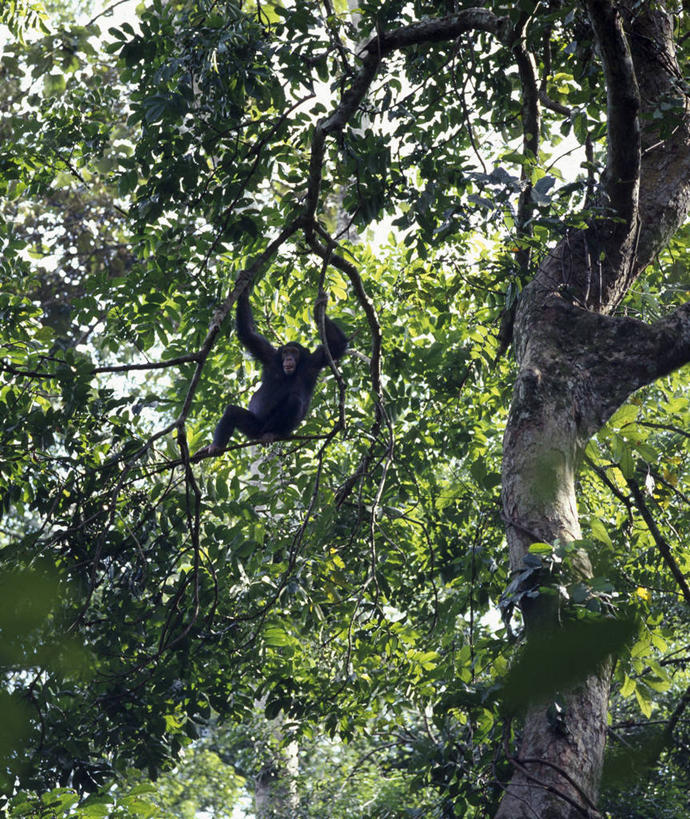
x,y
577,365
275,791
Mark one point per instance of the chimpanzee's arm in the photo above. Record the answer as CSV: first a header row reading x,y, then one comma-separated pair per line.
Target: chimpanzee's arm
x,y
337,340
258,346
337,344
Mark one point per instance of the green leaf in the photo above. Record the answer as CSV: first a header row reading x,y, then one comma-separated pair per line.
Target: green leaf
x,y
94,811
646,705
627,414
276,636
580,130
541,548
54,84
599,532
628,688
626,462
222,490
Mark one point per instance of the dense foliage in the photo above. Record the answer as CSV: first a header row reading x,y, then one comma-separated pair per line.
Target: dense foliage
x,y
348,579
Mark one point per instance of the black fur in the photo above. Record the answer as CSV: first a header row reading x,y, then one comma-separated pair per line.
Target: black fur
x,y
282,401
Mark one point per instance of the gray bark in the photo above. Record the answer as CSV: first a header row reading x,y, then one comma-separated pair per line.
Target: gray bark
x,y
578,364
577,361
275,791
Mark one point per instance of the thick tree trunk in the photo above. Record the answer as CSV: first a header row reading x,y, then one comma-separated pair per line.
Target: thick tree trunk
x,y
577,365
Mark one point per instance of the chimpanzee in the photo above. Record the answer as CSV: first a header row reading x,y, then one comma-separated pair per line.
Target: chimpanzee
x,y
288,381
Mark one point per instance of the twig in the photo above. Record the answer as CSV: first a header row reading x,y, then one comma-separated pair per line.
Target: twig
x,y
661,543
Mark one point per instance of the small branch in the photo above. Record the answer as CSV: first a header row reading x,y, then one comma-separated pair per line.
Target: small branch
x,y
468,121
328,252
193,512
154,365
320,315
335,37
661,543
530,149
106,12
678,711
534,537
262,611
552,105
667,427
118,368
589,155
255,150
544,98
564,774
664,482
8,368
531,124
615,491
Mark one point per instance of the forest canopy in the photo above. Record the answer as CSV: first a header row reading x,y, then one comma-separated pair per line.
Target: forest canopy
x,y
461,586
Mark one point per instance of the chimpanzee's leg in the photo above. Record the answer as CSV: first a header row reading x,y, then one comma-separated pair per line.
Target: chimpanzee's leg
x,y
233,416
247,422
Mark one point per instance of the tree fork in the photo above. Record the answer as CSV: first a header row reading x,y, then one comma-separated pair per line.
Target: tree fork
x,y
577,365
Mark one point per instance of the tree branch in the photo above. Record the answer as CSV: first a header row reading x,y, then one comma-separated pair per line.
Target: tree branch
x,y
385,43
328,253
615,355
659,539
673,340
244,279
115,368
665,197
531,123
154,365
622,178
553,105
678,712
